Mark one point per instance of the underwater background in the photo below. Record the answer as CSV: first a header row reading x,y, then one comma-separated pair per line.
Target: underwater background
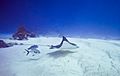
x,y
77,18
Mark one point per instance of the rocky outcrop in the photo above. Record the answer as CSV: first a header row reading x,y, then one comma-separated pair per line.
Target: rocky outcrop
x,y
22,34
3,44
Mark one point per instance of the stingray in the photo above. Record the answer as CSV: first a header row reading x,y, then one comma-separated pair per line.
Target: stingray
x,y
64,39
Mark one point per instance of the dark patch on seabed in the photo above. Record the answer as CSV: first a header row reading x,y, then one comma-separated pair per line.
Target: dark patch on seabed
x,y
60,53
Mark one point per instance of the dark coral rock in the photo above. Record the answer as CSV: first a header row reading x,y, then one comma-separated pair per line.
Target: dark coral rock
x,y
3,44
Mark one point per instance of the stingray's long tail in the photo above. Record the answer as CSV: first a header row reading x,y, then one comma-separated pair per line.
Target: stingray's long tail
x,y
27,52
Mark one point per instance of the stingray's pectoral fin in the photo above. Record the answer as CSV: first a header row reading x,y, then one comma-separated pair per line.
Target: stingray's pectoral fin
x,y
74,44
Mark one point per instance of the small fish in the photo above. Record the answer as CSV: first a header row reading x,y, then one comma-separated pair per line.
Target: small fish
x,y
33,49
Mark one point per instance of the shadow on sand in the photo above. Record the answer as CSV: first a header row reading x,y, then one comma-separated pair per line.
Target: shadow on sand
x,y
59,53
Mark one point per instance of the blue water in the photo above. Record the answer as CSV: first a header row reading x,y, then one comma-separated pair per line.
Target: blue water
x,y
78,18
